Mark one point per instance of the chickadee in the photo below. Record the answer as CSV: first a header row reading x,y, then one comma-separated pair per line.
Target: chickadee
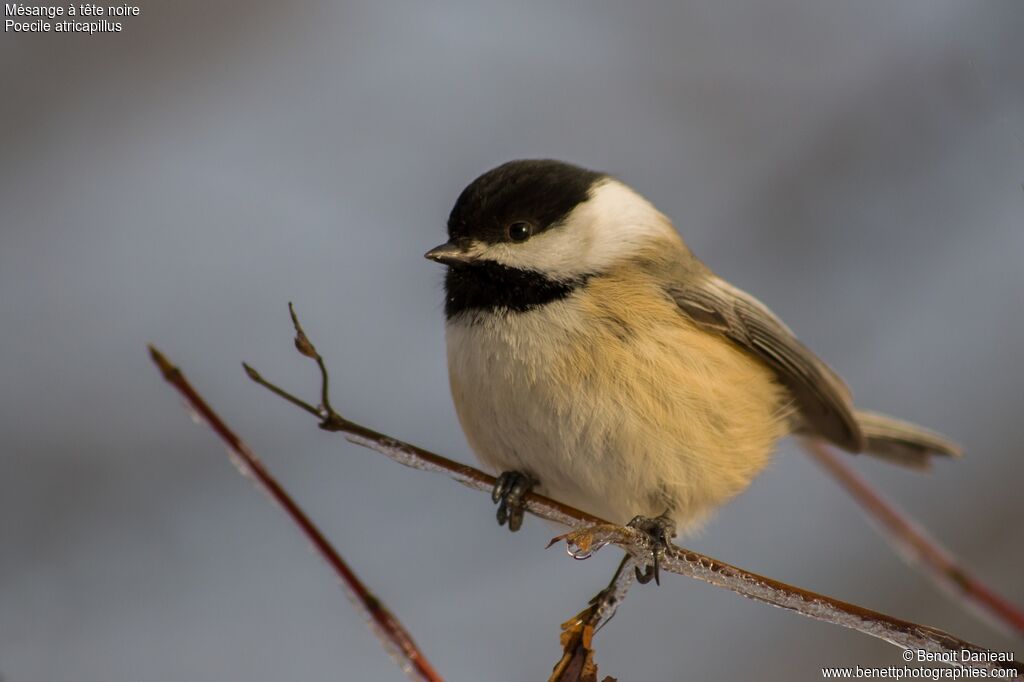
x,y
592,356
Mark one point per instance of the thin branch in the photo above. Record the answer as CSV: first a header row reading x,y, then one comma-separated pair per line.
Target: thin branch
x,y
304,346
913,543
577,662
592,533
395,638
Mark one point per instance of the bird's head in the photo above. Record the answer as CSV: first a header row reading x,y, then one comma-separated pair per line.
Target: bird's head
x,y
552,218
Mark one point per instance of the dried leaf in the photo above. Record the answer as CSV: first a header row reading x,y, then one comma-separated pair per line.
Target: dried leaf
x,y
577,639
303,345
577,662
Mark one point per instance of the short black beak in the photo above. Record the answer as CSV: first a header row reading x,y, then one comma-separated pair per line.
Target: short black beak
x,y
448,254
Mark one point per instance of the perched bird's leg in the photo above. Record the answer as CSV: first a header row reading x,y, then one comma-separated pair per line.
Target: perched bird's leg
x,y
661,530
508,494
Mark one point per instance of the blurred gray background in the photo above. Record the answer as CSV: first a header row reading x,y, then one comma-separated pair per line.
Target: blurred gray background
x,y
858,166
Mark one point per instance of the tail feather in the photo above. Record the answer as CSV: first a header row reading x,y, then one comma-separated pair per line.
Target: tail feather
x,y
903,443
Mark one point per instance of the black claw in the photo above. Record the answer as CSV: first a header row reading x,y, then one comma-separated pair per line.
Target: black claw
x,y
661,530
508,494
501,487
515,518
644,577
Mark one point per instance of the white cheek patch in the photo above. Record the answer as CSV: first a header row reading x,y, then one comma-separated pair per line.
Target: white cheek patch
x,y
555,252
614,224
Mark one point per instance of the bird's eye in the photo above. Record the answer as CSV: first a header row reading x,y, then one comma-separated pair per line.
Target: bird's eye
x,y
519,231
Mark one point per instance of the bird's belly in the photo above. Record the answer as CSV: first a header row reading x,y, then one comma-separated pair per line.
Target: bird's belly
x,y
620,423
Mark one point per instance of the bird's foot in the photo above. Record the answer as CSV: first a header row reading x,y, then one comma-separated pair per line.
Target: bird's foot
x,y
660,530
508,494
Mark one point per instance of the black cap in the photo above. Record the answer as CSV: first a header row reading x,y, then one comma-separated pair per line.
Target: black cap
x,y
539,191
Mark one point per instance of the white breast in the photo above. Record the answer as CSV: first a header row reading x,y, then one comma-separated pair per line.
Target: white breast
x,y
501,369
616,421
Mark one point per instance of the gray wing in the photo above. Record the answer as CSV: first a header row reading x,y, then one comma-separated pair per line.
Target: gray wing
x,y
822,398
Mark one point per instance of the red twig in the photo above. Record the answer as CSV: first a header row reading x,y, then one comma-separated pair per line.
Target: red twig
x,y
395,638
913,543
